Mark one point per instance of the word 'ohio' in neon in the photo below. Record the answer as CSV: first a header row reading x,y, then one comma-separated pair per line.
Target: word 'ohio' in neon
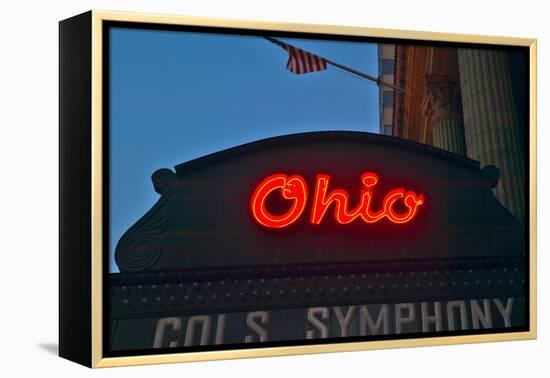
x,y
294,188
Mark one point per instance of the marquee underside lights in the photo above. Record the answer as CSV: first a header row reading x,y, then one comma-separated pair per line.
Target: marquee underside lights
x,y
398,206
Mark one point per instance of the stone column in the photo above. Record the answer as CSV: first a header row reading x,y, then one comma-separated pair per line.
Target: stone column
x,y
442,107
490,122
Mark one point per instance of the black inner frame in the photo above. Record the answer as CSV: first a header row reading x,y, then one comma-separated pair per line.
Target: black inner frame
x,y
107,25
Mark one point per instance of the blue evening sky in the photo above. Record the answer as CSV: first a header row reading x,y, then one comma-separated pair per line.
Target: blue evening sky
x,y
176,96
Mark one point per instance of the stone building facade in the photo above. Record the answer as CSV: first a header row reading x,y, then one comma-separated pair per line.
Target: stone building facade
x,y
386,70
470,101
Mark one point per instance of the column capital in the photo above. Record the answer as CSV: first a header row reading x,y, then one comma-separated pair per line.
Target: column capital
x,y
442,97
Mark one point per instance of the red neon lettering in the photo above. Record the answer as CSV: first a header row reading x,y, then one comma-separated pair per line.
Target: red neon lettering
x,y
294,188
340,198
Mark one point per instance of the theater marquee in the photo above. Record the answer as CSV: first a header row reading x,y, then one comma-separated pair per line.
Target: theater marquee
x,y
235,226
244,255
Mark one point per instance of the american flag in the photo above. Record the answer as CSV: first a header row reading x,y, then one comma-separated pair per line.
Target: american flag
x,y
300,61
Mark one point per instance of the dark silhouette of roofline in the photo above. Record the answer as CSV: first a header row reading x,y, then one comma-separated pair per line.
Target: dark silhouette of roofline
x,y
358,137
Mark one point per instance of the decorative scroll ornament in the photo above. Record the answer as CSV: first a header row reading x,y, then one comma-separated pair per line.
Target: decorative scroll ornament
x,y
506,236
141,246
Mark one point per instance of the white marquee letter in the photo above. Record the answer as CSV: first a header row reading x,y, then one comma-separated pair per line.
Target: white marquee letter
x,y
202,320
401,319
367,324
263,317
436,318
162,324
311,317
483,317
344,320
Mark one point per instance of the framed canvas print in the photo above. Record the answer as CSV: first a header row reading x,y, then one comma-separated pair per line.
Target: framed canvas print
x,y
237,188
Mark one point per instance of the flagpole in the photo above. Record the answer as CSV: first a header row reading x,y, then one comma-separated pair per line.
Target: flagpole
x,y
345,68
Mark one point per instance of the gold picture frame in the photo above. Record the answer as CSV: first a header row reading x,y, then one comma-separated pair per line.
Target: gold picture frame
x,y
93,261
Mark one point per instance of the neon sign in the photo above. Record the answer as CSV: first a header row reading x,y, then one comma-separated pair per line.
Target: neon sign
x,y
294,188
